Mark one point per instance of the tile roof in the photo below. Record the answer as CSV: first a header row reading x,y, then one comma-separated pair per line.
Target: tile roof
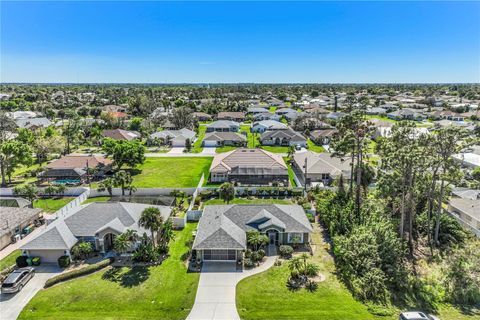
x,y
249,161
73,161
119,134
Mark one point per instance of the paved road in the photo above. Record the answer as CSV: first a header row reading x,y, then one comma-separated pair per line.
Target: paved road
x,y
215,299
208,150
12,304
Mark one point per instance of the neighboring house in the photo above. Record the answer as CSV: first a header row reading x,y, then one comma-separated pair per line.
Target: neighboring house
x,y
266,116
316,110
447,115
21,115
406,114
468,159
275,102
335,115
232,116
288,113
467,210
15,202
262,126
219,139
120,134
286,137
96,223
256,110
114,108
223,126
320,167
383,128
176,138
249,167
222,230
376,111
33,123
13,221
202,116
322,137
75,168
388,106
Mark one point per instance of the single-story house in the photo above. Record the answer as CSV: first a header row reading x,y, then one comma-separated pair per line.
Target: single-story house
x,y
383,128
256,110
33,123
21,115
72,167
376,111
406,114
321,167
222,230
115,108
266,116
120,134
13,220
176,138
287,137
335,115
249,167
275,102
322,137
468,210
447,114
202,116
223,126
262,126
218,139
96,223
288,113
232,116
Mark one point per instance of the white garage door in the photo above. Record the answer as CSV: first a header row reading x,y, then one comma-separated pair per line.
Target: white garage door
x,y
178,143
209,143
46,256
219,255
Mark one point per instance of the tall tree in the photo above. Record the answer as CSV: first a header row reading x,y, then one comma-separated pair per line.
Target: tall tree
x,y
151,219
12,154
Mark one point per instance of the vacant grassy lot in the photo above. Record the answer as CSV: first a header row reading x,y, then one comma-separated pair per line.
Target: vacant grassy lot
x,y
9,260
180,172
51,205
247,201
161,292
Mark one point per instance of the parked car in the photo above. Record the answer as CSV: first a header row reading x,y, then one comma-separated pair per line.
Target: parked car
x,y
17,279
417,315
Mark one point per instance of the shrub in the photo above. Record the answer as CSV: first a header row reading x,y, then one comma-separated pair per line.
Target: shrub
x,y
78,272
277,263
22,261
261,253
256,256
311,286
64,261
311,270
82,250
36,261
248,263
310,217
285,251
248,253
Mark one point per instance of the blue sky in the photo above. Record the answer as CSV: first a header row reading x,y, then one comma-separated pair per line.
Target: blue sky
x,y
271,42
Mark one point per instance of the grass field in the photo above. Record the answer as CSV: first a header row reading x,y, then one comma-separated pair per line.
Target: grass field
x,y
96,199
313,147
9,260
248,201
197,145
275,149
180,172
51,205
166,291
290,173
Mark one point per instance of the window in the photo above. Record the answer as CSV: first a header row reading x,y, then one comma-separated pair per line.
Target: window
x,y
295,237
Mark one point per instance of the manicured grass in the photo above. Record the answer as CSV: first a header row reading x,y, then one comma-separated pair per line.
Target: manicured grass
x,y
313,147
166,291
197,145
248,201
252,139
179,172
97,199
224,149
330,301
272,109
9,260
381,117
275,149
51,205
291,175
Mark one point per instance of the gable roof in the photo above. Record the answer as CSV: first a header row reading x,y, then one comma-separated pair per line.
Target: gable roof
x,y
270,124
288,133
322,163
120,134
225,226
181,134
249,161
74,161
223,124
57,236
224,136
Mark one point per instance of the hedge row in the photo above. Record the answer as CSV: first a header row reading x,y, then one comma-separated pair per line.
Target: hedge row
x,y
79,272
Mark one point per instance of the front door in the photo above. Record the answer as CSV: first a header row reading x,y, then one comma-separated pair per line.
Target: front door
x,y
271,237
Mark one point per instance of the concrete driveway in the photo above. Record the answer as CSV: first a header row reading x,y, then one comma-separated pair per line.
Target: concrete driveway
x,y
12,304
176,150
208,150
216,291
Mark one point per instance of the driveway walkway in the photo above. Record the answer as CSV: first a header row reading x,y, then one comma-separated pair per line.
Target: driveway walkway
x,y
215,297
208,150
12,304
176,150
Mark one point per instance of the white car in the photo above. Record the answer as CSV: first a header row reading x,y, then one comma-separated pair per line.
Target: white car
x,y
417,315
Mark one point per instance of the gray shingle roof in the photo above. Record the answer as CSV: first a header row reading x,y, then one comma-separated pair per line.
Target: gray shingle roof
x,y
225,226
56,236
11,217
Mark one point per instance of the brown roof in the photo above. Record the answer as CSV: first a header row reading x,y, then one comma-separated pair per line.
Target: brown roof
x,y
248,159
72,162
230,115
119,134
323,133
201,115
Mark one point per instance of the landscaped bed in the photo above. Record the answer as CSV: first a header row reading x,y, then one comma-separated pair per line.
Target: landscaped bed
x,y
166,291
178,172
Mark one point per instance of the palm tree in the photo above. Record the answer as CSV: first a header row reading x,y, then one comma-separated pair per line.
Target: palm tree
x,y
166,231
226,192
256,239
107,185
152,220
121,243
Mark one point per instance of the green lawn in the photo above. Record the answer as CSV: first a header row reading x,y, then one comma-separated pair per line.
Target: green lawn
x,y
96,199
197,145
275,149
180,172
161,292
252,139
248,201
313,147
331,301
51,205
224,149
290,173
272,109
9,260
